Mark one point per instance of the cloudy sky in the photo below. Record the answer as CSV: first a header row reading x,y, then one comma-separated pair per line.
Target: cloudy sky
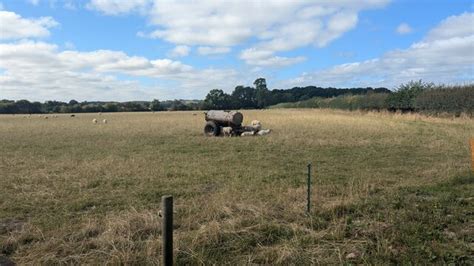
x,y
144,49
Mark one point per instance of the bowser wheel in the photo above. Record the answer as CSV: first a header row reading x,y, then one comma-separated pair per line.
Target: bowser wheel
x,y
211,129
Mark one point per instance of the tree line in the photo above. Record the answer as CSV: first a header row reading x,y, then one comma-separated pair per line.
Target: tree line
x,y
73,106
242,97
260,96
414,96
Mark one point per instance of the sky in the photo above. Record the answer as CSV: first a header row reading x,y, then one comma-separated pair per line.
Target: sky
x,y
123,50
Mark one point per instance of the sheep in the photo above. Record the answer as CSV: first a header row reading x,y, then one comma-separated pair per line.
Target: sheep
x,y
264,132
73,115
256,125
94,121
45,117
247,133
104,121
227,131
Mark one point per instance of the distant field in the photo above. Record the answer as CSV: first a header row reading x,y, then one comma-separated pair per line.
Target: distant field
x,y
388,189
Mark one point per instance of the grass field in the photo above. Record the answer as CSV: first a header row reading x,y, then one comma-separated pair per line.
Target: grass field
x,y
388,189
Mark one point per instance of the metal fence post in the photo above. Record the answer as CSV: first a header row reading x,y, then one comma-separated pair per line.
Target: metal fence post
x,y
308,209
167,229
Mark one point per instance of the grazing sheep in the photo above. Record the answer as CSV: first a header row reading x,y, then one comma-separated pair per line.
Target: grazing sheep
x,y
247,133
94,121
256,125
264,132
104,121
45,117
73,115
227,131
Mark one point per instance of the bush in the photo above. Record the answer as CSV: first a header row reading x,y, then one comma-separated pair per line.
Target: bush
x,y
370,101
404,98
447,99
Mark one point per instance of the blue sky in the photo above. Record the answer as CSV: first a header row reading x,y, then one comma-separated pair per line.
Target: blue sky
x,y
145,49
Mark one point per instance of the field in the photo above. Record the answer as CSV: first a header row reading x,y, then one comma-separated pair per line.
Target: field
x,y
387,188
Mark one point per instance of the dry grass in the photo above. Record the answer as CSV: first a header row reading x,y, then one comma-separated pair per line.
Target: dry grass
x,y
388,188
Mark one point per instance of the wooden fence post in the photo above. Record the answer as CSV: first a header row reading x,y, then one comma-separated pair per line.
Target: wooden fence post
x,y
167,229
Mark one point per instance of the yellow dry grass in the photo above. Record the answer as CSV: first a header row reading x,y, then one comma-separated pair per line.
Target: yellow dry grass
x,y
77,192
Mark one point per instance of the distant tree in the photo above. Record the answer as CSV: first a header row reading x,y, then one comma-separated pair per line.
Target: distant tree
x,y
178,105
132,107
52,106
244,97
405,97
91,108
260,83
155,105
7,107
73,102
218,99
262,94
111,107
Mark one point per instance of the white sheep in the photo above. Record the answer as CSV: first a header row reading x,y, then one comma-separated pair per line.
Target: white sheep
x,y
264,132
227,131
247,133
94,121
256,125
104,121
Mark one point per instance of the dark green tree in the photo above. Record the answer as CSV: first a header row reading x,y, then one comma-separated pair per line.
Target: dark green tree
x,y
178,105
111,107
262,95
155,105
404,98
244,97
218,99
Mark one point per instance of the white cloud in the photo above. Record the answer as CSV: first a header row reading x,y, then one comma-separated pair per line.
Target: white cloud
x,y
40,71
16,27
290,36
116,7
404,28
442,56
180,51
454,26
266,58
277,25
229,23
207,50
